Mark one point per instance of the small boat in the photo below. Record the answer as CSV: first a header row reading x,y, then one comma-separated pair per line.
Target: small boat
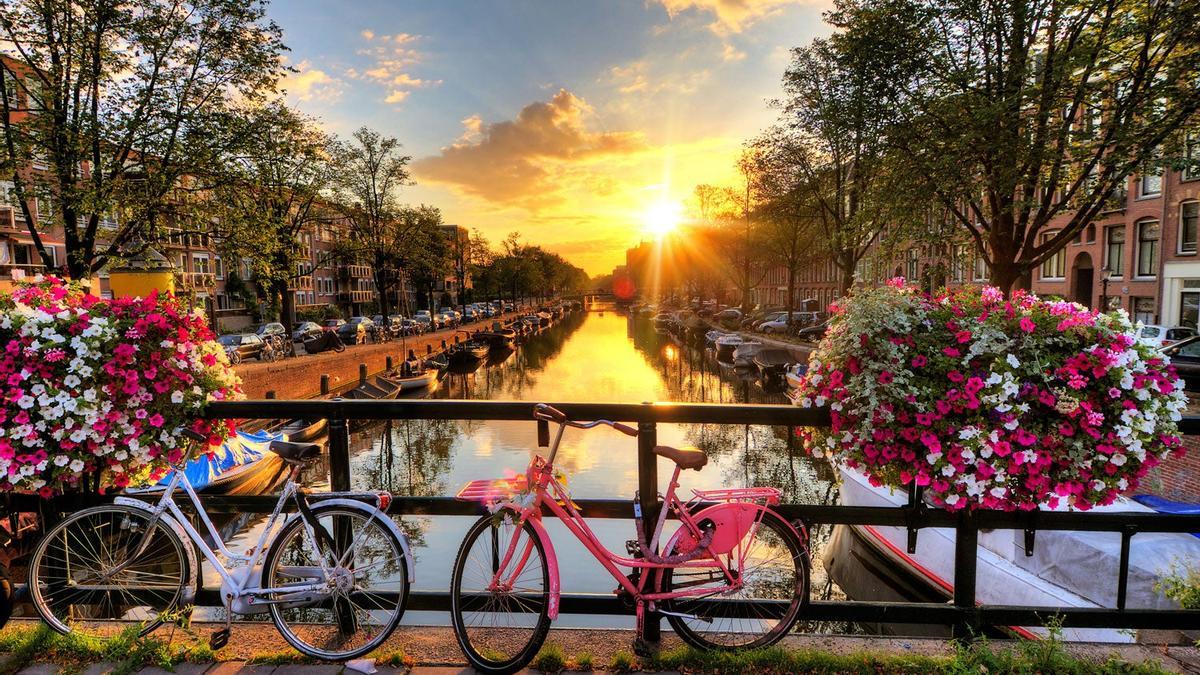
x,y
243,465
743,354
725,346
415,380
794,376
711,337
772,365
380,388
498,337
1067,568
471,350
301,431
1167,506
545,319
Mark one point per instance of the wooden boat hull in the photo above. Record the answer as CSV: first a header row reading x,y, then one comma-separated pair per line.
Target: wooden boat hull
x,y
414,382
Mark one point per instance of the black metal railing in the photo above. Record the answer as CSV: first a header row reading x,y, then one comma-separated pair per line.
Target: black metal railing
x,y
963,614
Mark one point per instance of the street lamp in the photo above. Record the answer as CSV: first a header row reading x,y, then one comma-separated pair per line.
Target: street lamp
x,y
1105,274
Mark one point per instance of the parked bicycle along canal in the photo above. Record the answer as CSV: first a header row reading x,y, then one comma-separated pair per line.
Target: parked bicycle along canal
x,y
586,357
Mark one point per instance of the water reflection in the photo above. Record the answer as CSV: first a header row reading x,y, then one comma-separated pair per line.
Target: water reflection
x,y
588,357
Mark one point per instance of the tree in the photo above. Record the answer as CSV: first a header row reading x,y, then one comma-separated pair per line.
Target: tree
x,y
830,136
272,195
126,105
371,171
787,219
1018,112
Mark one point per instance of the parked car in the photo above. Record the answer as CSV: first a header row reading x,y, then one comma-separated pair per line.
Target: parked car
x,y
242,346
354,331
424,323
731,315
392,323
411,327
814,333
777,323
305,329
332,324
1185,356
1162,336
271,328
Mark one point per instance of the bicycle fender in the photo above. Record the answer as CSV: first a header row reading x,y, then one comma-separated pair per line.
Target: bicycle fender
x,y
551,565
732,520
189,547
355,504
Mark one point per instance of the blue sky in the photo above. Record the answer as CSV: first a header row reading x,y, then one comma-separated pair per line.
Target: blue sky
x,y
563,120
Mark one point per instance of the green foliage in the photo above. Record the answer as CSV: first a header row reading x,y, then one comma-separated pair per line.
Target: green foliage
x,y
1182,584
582,661
550,659
127,651
622,662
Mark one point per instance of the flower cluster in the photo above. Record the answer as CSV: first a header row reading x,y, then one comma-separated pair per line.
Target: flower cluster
x,y
101,387
992,402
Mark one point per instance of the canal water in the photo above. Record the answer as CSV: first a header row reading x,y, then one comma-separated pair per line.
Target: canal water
x,y
586,357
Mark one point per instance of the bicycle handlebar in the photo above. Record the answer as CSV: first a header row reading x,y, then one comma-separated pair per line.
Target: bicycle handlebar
x,y
547,413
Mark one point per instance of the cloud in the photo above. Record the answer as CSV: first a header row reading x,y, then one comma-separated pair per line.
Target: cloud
x,y
636,77
731,53
730,16
306,83
391,57
531,161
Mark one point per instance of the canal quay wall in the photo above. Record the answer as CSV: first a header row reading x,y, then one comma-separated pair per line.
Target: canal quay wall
x,y
300,376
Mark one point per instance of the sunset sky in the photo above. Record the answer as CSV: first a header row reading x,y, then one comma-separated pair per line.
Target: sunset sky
x,y
565,121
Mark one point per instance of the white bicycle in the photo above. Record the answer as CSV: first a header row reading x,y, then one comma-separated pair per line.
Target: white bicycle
x,y
334,576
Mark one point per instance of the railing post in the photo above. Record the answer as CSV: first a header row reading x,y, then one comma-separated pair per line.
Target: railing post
x,y
648,496
324,385
339,455
966,558
362,373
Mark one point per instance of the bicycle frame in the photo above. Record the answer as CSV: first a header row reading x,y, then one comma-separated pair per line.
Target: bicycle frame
x,y
237,586
550,493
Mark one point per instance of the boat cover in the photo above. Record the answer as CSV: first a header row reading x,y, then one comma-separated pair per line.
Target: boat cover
x,y
1167,506
241,449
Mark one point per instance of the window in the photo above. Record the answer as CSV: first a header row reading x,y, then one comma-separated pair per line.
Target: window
x,y
1150,183
981,268
1191,154
1147,253
1144,310
10,90
1189,309
1114,250
1189,217
911,260
200,263
219,267
1091,233
958,264
1055,266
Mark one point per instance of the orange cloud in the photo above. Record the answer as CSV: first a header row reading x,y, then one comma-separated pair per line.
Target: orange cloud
x,y
392,56
731,16
529,161
306,83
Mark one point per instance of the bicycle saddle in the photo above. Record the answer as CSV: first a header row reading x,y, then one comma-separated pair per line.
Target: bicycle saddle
x,y
686,458
295,452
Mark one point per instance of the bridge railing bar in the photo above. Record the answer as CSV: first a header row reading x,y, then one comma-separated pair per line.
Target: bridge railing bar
x,y
963,614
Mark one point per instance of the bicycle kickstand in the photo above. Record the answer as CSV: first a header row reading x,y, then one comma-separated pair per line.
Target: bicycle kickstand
x,y
641,646
220,637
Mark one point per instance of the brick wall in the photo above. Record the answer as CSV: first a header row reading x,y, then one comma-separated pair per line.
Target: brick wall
x,y
1177,479
300,377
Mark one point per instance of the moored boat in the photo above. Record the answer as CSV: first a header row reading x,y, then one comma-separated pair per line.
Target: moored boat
x,y
772,365
379,388
725,346
409,382
300,430
242,465
743,354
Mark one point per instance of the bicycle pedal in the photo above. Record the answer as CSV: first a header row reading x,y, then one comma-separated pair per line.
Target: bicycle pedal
x,y
218,639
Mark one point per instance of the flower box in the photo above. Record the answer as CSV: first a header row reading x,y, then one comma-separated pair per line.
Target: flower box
x,y
984,401
96,392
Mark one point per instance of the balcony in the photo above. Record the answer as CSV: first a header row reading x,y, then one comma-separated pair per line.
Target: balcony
x,y
17,272
304,283
198,281
356,296
355,271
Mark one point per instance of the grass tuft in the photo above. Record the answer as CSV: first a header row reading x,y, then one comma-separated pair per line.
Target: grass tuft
x,y
622,662
550,659
285,657
127,651
582,661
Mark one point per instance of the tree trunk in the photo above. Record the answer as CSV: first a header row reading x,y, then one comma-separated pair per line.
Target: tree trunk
x,y
287,304
791,296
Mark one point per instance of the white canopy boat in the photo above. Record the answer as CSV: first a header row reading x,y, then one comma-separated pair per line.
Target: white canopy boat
x,y
1067,568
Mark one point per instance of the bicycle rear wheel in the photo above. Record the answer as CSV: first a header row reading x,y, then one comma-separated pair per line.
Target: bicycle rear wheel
x,y
72,581
500,630
367,595
775,577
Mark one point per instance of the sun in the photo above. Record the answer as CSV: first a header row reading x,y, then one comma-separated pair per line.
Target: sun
x,y
662,218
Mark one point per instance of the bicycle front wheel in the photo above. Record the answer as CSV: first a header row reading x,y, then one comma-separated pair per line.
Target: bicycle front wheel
x,y
772,567
364,593
501,616
106,568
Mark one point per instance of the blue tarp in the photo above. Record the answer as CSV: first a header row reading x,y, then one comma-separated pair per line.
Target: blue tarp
x,y
1167,506
243,448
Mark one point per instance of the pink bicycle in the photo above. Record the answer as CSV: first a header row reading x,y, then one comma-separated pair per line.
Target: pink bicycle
x,y
733,574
